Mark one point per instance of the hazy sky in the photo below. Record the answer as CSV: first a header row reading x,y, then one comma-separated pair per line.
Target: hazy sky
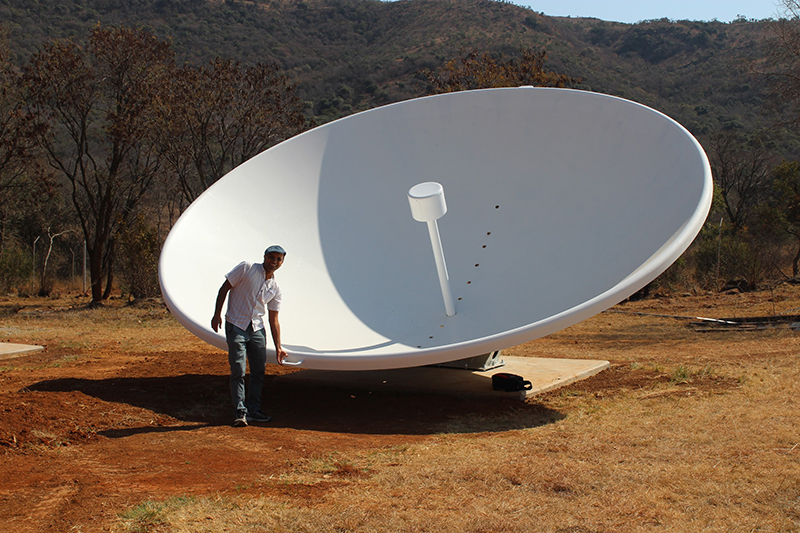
x,y
636,10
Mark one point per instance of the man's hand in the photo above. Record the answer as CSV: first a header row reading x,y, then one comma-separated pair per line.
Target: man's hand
x,y
216,322
275,327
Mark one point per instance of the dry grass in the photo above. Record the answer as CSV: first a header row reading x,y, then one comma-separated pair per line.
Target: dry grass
x,y
674,456
712,463
66,322
713,445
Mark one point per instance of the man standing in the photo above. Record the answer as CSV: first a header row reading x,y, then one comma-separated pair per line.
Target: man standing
x,y
253,292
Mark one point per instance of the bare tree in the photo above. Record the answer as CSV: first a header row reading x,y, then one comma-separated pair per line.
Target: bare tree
x,y
17,140
95,107
219,116
741,169
44,288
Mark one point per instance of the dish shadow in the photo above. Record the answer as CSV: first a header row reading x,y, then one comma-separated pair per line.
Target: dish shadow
x,y
202,400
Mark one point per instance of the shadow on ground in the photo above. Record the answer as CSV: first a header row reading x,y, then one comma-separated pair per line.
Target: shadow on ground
x,y
199,400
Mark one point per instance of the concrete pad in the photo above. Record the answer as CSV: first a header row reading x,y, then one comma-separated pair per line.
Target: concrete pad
x,y
544,374
9,350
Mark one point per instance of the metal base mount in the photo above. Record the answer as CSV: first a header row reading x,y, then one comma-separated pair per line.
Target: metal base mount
x,y
479,363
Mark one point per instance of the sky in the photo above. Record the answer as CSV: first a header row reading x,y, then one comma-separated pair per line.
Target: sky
x,y
631,11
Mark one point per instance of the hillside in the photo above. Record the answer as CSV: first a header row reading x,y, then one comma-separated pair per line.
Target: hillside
x,y
350,55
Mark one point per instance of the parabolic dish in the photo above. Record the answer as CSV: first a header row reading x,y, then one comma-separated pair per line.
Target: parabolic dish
x,y
560,204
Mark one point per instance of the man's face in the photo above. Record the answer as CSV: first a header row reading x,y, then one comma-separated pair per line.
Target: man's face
x,y
273,261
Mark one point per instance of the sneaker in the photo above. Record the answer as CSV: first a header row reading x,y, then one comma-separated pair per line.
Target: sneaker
x,y
241,419
258,416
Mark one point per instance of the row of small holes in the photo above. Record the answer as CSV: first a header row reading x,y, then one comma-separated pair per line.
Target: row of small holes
x,y
441,326
484,246
469,282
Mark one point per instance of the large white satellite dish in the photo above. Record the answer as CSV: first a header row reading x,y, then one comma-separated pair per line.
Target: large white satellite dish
x,y
560,204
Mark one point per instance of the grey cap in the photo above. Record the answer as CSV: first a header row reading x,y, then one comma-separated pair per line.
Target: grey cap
x,y
275,248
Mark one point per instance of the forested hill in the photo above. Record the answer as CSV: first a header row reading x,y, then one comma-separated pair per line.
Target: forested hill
x,y
349,55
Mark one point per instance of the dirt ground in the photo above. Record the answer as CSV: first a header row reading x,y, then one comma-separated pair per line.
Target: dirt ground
x,y
124,406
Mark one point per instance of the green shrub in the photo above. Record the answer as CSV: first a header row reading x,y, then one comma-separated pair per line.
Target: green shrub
x,y
15,267
139,248
727,260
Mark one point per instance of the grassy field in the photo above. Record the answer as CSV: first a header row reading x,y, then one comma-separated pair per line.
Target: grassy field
x,y
121,424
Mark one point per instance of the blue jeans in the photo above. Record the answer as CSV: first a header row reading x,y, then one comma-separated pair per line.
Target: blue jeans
x,y
246,346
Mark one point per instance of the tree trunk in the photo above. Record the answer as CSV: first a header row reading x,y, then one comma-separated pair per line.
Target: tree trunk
x,y
109,283
795,262
96,272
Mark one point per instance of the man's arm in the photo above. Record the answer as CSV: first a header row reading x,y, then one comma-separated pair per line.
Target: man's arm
x,y
275,328
216,321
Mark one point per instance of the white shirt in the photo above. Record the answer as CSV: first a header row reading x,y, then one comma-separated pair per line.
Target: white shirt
x,y
251,295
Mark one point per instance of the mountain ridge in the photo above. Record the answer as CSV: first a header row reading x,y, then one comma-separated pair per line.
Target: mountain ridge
x,y
351,55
